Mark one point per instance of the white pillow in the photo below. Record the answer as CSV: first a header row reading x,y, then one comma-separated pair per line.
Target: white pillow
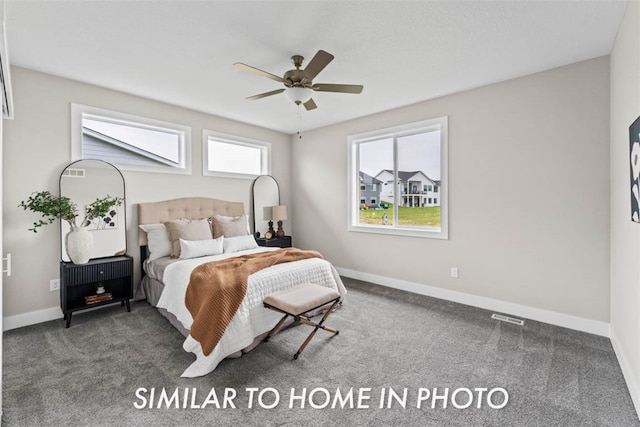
x,y
239,243
187,229
198,248
158,241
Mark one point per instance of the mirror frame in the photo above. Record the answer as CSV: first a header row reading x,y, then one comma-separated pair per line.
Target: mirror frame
x,y
253,198
124,207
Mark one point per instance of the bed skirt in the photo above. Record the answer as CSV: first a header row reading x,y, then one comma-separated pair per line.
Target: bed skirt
x,y
153,288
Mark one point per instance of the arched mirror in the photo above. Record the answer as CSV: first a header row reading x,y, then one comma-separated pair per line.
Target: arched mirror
x,y
264,193
84,182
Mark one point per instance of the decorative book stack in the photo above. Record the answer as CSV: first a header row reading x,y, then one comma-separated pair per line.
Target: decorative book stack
x,y
94,299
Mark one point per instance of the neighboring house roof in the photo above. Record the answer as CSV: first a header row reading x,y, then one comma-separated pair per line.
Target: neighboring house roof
x,y
368,179
105,139
408,175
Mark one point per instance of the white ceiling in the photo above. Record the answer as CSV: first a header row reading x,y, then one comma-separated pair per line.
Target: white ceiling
x,y
403,52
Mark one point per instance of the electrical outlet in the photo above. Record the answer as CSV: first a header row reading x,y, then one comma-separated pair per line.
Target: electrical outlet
x,y
54,285
454,272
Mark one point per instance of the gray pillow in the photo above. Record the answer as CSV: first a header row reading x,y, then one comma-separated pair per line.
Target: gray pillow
x,y
230,226
186,229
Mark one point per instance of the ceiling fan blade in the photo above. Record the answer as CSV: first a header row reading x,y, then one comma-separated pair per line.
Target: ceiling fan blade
x,y
317,64
258,71
310,105
328,87
264,95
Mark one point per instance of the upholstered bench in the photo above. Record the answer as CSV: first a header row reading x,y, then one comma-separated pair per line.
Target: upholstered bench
x,y
297,302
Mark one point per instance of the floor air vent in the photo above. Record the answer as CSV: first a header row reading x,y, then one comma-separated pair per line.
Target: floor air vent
x,y
507,319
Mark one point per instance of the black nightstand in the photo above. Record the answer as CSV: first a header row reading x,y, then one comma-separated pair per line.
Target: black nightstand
x,y
78,284
283,242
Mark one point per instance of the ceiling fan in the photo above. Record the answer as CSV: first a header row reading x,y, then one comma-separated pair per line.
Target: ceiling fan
x,y
298,83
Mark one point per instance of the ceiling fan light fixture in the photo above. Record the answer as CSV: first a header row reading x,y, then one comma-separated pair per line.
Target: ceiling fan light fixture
x,y
299,86
299,95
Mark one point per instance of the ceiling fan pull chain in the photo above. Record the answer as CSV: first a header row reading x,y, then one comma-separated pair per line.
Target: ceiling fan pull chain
x,y
299,121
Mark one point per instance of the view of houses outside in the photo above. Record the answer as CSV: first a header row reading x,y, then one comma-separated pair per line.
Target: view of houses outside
x,y
417,189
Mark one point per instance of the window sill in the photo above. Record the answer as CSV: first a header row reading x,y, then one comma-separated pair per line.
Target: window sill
x,y
422,232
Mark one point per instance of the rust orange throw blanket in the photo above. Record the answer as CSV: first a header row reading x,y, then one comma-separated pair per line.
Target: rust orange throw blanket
x,y
216,290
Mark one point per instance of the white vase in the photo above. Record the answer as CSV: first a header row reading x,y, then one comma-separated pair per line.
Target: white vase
x,y
79,243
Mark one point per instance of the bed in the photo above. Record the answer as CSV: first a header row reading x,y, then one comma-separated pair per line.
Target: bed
x,y
177,227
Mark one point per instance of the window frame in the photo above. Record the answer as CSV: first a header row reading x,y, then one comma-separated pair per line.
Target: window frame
x,y
423,126
265,156
79,111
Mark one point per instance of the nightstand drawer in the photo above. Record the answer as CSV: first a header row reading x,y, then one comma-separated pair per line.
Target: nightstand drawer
x,y
97,271
281,242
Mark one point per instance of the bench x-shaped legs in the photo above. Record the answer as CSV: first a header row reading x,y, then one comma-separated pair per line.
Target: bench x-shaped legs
x,y
307,321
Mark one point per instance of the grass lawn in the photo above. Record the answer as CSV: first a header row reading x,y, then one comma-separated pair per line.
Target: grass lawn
x,y
407,216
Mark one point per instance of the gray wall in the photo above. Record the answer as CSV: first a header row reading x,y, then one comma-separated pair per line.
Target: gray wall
x,y
625,235
528,191
528,170
37,148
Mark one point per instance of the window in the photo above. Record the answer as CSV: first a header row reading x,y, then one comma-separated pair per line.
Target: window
x,y
234,157
130,142
412,159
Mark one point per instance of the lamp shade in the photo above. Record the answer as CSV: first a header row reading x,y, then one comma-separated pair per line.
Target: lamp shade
x,y
299,95
267,213
280,213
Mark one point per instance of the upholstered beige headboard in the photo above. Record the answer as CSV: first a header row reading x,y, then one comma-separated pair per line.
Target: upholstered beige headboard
x,y
187,207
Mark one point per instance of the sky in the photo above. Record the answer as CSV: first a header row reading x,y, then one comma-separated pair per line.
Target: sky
x,y
415,152
224,157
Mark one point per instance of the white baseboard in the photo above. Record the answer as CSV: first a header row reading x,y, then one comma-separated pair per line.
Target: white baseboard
x,y
546,316
31,318
627,371
39,316
517,310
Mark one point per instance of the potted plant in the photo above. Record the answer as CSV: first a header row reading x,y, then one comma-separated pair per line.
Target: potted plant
x,y
100,288
78,242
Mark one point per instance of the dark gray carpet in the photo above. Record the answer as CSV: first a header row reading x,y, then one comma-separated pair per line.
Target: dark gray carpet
x,y
88,375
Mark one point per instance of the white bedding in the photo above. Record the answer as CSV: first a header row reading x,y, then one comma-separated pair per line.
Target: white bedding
x,y
251,319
